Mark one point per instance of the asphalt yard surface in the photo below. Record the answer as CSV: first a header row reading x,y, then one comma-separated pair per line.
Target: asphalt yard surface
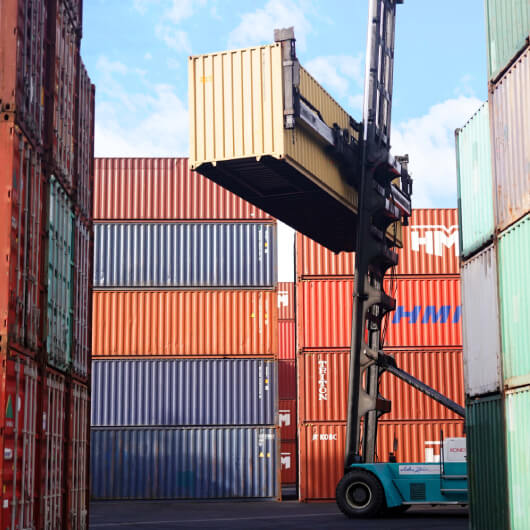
x,y
256,515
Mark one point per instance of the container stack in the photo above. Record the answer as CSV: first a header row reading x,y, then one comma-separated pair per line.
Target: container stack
x,y
423,334
185,341
287,384
493,162
46,154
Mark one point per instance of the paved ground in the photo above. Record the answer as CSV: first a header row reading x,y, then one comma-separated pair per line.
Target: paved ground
x,y
142,515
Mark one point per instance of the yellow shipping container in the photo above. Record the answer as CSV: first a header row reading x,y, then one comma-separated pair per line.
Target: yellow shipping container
x,y
238,139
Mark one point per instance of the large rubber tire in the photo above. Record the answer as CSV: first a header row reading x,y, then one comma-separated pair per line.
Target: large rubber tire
x,y
360,494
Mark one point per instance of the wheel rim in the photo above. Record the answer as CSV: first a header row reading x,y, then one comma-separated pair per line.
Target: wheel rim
x,y
358,495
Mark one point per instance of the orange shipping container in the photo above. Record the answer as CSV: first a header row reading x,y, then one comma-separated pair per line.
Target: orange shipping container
x,y
287,419
430,246
286,344
322,450
286,300
288,460
190,323
163,189
428,314
323,388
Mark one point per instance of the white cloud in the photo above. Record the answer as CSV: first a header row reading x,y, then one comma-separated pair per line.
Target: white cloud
x,y
148,56
158,116
175,39
429,141
182,9
258,26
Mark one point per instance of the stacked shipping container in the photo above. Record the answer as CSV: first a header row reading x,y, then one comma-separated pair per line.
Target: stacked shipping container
x,y
185,400
423,334
287,382
46,149
493,162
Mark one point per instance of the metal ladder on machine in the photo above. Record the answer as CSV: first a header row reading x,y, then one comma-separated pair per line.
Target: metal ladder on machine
x,y
381,203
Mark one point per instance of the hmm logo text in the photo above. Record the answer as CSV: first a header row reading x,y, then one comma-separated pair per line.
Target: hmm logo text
x,y
283,299
324,437
285,460
426,314
434,238
284,417
322,380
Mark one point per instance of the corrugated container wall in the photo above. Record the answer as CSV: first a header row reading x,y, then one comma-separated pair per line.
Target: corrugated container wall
x,y
77,454
287,379
430,246
164,189
518,473
487,463
507,30
428,313
22,65
481,332
286,340
22,204
510,133
288,457
475,182
184,392
323,385
322,450
201,462
185,255
191,323
286,300
60,256
19,402
514,292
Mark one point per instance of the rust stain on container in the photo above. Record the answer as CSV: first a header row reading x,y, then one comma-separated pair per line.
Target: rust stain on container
x,y
286,340
510,132
430,246
322,450
191,323
428,313
164,189
323,385
286,302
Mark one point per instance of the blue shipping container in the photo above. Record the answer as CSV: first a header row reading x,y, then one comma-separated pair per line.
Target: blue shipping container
x,y
185,255
174,392
184,463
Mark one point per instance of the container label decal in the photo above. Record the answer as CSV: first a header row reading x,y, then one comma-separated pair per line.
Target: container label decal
x,y
283,299
285,460
419,469
434,238
322,380
324,437
284,417
430,313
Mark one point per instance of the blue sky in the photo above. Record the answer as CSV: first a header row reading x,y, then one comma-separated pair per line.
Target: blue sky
x,y
136,52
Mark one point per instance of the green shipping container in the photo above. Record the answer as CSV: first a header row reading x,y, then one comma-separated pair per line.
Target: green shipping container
x,y
59,313
507,31
486,460
514,301
517,403
475,182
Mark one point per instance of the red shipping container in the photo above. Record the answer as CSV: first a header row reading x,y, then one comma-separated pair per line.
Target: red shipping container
x,y
53,402
286,303
18,410
84,140
287,419
164,189
77,469
286,340
288,461
22,203
287,379
61,91
22,75
82,297
322,450
323,388
428,314
220,323
430,247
